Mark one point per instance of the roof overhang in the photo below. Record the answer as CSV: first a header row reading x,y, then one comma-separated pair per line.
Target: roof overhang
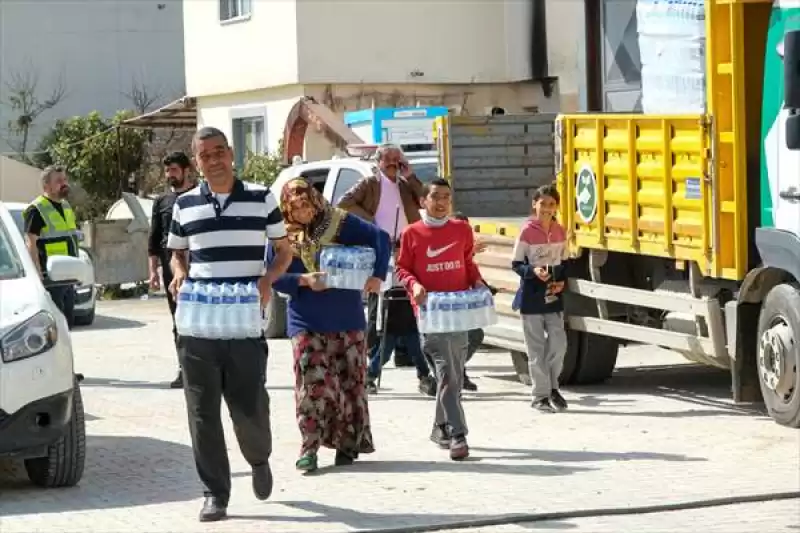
x,y
180,114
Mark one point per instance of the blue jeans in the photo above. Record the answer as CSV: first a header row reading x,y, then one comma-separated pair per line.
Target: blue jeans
x,y
414,347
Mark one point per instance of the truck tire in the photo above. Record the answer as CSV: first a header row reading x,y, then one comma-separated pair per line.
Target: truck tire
x,y
520,361
275,326
778,354
595,359
64,463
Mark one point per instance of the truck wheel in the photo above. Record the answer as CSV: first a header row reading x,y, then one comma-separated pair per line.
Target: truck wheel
x,y
778,356
64,463
595,359
275,327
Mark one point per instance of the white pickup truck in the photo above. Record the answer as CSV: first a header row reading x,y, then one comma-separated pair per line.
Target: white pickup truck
x,y
333,178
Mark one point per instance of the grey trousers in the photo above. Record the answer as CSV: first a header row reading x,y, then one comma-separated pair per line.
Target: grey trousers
x,y
546,341
449,354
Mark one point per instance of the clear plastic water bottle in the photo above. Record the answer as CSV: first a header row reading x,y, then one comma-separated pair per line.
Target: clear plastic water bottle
x,y
186,306
217,320
433,317
228,311
200,324
252,302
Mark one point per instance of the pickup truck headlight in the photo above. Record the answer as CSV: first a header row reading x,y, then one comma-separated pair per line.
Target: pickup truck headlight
x,y
36,335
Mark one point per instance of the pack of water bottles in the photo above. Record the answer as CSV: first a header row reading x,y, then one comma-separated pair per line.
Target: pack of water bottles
x,y
219,311
347,267
447,312
672,49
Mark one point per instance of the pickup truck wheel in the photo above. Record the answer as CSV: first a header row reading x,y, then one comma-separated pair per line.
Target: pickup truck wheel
x,y
778,355
595,359
64,463
85,320
275,323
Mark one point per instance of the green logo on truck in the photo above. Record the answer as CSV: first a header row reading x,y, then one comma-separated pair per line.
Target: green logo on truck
x,y
586,194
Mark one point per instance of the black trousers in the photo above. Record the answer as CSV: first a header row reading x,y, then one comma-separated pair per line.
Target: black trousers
x,y
167,275
64,298
236,371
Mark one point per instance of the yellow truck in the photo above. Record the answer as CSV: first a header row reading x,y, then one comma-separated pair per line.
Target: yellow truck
x,y
685,228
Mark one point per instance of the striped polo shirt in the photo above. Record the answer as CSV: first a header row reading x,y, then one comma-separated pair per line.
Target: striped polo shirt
x,y
226,235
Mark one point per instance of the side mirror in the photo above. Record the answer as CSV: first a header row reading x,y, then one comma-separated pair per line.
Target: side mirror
x,y
66,269
791,69
79,235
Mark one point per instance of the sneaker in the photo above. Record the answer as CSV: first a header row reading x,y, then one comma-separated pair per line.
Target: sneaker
x,y
440,436
558,401
543,405
458,448
371,386
427,386
177,383
469,384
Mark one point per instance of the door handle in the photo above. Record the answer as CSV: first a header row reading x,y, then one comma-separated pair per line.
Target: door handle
x,y
792,195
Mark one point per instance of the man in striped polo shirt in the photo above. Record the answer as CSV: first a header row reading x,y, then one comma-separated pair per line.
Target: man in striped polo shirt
x,y
219,233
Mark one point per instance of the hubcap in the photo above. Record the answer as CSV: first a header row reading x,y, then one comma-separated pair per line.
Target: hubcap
x,y
776,364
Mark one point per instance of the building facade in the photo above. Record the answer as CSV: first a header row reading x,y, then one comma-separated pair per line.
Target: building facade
x,y
249,61
97,53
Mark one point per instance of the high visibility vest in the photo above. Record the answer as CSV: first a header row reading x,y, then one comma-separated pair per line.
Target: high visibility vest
x,y
59,235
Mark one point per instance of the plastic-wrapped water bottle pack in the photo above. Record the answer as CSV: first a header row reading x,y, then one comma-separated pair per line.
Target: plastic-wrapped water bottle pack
x,y
672,49
219,311
448,312
347,267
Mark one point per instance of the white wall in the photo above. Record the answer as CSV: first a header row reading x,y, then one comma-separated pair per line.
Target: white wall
x,y
18,182
217,110
384,41
227,57
98,48
566,27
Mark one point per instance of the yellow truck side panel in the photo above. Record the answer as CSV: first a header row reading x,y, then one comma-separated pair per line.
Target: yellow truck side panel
x,y
652,185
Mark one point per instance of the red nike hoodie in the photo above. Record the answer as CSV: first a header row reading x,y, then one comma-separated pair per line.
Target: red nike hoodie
x,y
438,258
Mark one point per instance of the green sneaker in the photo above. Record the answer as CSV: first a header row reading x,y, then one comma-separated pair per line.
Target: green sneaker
x,y
307,463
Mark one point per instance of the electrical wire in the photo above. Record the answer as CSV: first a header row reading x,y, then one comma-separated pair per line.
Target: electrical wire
x,y
507,520
76,143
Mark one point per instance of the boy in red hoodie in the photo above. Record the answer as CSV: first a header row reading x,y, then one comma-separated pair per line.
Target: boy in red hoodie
x,y
436,256
539,253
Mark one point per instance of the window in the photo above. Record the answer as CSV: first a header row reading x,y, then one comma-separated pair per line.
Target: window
x,y
345,181
426,172
317,177
10,263
248,137
234,9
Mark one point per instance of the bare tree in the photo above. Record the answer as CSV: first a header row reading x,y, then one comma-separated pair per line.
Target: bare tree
x,y
27,104
142,98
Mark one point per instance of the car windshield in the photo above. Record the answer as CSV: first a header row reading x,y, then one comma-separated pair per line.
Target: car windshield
x,y
10,264
426,172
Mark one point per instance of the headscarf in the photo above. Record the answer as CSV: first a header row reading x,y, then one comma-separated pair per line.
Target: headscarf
x,y
307,240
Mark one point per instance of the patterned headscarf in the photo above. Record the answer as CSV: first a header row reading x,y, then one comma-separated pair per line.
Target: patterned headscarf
x,y
307,240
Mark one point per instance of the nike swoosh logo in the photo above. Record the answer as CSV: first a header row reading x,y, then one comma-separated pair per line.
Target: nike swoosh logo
x,y
439,251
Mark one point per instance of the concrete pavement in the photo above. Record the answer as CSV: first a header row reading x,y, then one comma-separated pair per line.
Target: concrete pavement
x,y
653,436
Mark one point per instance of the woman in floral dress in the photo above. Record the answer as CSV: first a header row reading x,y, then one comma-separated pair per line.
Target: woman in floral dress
x,y
327,326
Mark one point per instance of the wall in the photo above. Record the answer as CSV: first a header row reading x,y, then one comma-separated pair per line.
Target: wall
x,y
18,182
566,27
395,41
233,56
98,48
276,103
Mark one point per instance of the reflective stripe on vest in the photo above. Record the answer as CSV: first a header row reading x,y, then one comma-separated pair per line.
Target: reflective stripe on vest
x,y
58,231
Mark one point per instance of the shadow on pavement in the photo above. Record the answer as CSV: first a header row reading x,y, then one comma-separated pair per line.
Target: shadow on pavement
x,y
110,322
698,385
120,472
473,465
375,522
571,456
134,384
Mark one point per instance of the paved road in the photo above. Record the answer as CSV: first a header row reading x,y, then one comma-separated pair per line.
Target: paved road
x,y
660,435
